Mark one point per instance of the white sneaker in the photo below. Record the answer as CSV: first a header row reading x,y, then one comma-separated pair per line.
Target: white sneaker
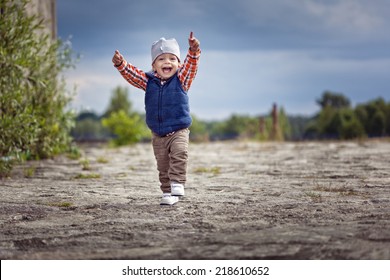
x,y
168,199
177,189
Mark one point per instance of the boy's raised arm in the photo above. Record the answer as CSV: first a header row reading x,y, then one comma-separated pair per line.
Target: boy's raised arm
x,y
129,72
188,71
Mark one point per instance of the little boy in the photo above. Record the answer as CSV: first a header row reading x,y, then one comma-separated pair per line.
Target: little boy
x,y
167,109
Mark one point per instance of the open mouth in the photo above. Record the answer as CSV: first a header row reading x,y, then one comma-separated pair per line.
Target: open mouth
x,y
167,69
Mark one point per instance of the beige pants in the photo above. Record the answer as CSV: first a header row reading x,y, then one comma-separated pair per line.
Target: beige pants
x,y
171,153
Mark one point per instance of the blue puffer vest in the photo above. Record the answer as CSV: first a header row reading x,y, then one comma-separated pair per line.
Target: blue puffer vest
x,y
166,105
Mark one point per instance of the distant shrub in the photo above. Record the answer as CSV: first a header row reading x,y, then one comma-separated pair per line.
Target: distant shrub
x,y
126,129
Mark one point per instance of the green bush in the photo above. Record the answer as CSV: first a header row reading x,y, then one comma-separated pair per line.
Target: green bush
x,y
33,119
375,117
350,127
127,129
89,129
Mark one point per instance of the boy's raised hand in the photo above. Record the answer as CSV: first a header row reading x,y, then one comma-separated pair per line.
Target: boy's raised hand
x,y
117,58
193,42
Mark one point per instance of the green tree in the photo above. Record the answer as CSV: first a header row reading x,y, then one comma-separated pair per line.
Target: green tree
x,y
298,126
284,124
334,100
349,125
89,129
234,126
336,118
126,125
198,130
378,123
127,129
119,102
240,126
375,117
33,100
337,123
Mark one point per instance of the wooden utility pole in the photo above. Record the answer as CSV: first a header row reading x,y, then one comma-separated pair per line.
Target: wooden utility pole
x,y
276,134
45,9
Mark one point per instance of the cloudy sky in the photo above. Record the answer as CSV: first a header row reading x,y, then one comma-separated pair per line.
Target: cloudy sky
x,y
254,52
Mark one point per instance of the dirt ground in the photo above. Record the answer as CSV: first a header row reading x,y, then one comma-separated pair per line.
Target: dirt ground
x,y
244,200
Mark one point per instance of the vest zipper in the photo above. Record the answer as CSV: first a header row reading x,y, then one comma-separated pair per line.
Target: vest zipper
x,y
160,94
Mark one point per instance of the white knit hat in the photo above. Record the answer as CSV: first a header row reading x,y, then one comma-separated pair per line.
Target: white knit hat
x,y
165,46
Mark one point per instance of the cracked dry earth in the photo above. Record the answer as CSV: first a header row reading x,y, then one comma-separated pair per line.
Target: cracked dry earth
x,y
244,200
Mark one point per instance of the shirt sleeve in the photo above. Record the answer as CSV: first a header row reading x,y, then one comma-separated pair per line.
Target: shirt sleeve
x,y
189,68
133,75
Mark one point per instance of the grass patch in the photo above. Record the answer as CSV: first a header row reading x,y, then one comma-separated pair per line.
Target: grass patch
x,y
88,176
73,153
102,160
340,190
121,175
29,171
315,197
213,170
85,164
61,204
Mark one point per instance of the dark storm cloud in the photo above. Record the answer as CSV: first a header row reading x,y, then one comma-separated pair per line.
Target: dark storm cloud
x,y
296,49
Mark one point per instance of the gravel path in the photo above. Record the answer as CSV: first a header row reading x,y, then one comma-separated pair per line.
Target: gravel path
x,y
244,200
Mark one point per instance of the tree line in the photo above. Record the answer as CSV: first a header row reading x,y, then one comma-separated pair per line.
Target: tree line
x,y
336,119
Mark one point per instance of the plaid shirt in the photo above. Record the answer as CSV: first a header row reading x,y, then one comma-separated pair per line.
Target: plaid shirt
x,y
187,72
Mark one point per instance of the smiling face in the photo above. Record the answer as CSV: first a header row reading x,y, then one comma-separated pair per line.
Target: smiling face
x,y
166,65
